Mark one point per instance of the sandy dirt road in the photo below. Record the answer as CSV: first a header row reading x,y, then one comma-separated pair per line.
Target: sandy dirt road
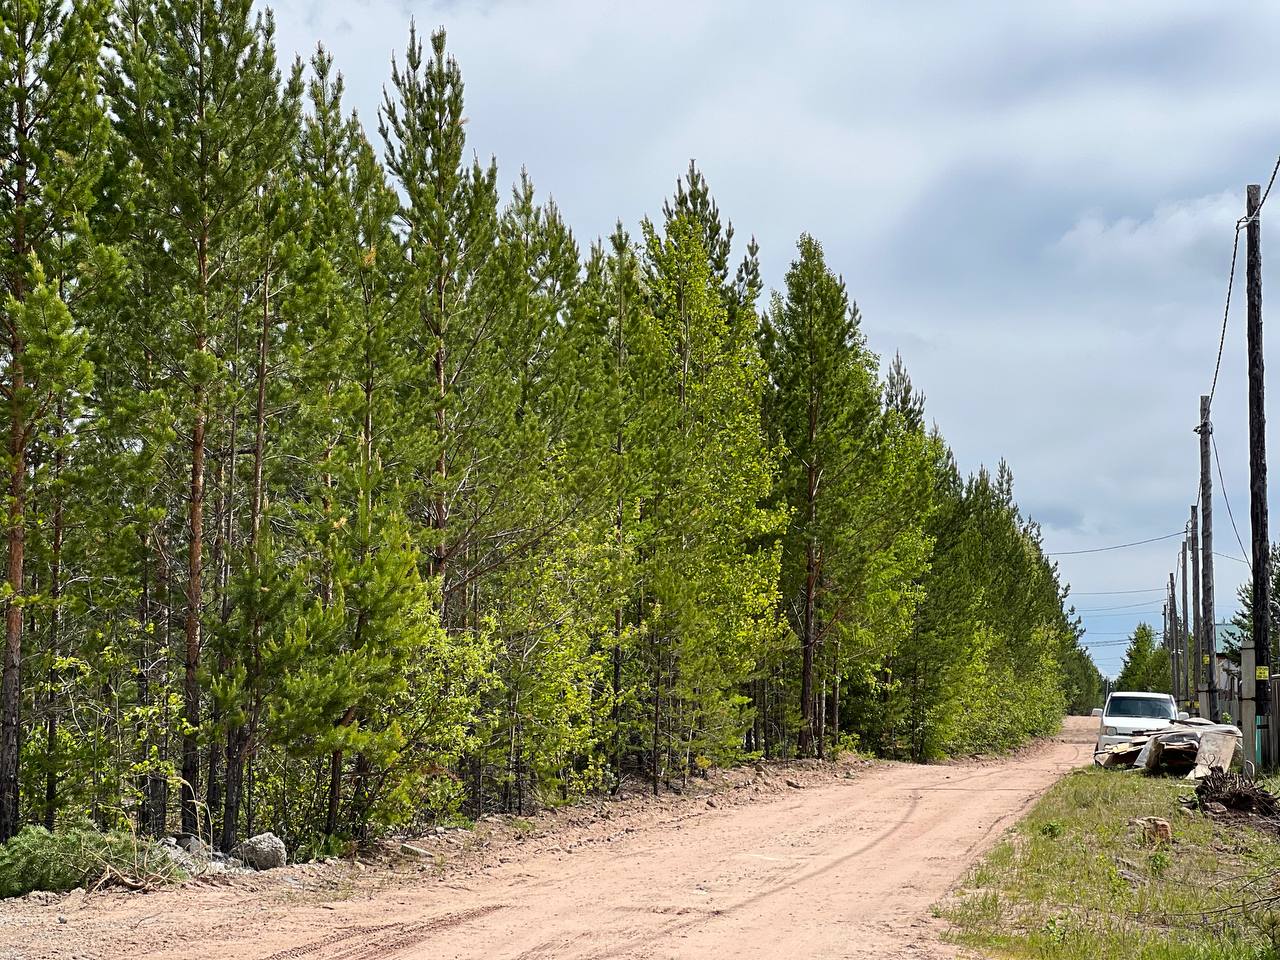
x,y
845,868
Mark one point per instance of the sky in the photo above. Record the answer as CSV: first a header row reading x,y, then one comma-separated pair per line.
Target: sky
x,y
1033,203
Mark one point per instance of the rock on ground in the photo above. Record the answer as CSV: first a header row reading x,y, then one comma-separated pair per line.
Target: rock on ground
x,y
264,852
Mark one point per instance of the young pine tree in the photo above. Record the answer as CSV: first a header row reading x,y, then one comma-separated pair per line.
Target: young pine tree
x,y
710,564
823,407
52,139
197,101
448,217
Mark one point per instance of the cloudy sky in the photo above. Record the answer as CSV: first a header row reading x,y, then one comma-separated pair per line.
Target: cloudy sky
x,y
1033,203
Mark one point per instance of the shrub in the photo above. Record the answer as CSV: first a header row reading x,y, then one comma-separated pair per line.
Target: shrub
x,y
80,857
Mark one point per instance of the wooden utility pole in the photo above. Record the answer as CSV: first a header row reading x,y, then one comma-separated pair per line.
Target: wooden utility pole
x,y
1175,640
1197,645
1209,661
1184,691
1166,638
1255,660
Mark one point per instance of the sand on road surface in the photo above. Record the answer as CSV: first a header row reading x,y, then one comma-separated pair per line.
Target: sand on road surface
x,y
844,868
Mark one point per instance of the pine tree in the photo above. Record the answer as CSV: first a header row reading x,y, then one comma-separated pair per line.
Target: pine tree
x,y
449,220
198,102
901,397
52,134
613,293
547,483
1146,665
711,566
693,200
822,407
1242,619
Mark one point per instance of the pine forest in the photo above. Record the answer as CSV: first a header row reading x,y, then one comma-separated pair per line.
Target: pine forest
x,y
347,491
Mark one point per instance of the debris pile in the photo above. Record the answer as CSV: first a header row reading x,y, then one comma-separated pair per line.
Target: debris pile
x,y
1221,792
1187,748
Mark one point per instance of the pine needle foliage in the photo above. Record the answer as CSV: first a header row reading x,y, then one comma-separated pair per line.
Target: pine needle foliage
x,y
347,491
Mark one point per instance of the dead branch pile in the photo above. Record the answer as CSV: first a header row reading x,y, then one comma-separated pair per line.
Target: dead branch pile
x,y
1237,792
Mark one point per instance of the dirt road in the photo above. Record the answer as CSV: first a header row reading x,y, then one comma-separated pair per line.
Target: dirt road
x,y
842,868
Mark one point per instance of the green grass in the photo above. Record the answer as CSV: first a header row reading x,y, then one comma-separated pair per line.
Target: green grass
x,y
1076,881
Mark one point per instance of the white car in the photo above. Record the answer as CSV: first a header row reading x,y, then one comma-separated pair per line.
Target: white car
x,y
1129,713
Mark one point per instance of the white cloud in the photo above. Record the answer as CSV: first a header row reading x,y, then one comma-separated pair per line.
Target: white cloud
x,y
1178,235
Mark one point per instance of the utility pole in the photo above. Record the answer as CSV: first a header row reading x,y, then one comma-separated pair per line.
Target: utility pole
x,y
1173,663
1175,640
1184,694
1209,661
1255,657
1197,646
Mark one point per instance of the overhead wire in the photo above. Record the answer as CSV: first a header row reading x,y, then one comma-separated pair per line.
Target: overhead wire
x,y
1112,593
1217,363
1114,546
1123,606
1226,311
1231,276
1125,613
1222,484
1227,556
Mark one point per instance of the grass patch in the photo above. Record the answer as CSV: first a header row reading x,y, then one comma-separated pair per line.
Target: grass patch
x,y
1076,881
80,857
523,826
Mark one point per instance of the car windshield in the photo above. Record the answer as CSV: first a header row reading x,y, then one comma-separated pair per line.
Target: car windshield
x,y
1144,707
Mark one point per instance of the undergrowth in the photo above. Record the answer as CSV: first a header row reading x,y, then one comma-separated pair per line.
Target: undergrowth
x,y
81,857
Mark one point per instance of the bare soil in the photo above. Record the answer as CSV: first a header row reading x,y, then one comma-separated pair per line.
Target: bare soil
x,y
791,859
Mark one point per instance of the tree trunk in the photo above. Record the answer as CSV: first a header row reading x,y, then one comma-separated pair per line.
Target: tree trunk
x,y
440,504
237,748
616,711
55,629
335,793
191,687
164,593
11,685
835,702
657,708
238,742
820,710
220,562
195,571
361,798
10,675
805,744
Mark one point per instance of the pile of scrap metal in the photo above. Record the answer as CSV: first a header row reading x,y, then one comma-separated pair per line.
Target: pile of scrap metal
x,y
1186,748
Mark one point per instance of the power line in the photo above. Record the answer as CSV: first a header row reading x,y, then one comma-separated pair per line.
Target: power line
x,y
1144,611
1231,276
1227,556
1266,192
1226,311
1122,606
1112,593
1225,499
1115,546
